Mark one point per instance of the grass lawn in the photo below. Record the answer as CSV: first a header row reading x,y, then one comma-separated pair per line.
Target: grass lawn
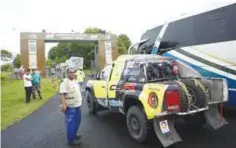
x,y
13,106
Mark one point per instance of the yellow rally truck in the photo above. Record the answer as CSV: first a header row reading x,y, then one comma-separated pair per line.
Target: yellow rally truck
x,y
152,91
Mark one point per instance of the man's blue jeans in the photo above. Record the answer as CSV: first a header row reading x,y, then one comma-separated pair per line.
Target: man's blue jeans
x,y
73,119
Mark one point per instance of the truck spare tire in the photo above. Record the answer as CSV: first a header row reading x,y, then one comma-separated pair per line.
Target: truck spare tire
x,y
198,95
184,102
198,100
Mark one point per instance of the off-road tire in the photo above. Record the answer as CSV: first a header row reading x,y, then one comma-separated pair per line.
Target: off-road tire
x,y
200,97
197,119
146,130
92,106
184,102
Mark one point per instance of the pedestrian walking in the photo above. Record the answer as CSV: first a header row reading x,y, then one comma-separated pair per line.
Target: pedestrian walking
x,y
28,85
71,101
36,79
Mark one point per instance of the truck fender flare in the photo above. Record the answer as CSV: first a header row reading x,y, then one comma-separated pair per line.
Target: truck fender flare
x,y
130,96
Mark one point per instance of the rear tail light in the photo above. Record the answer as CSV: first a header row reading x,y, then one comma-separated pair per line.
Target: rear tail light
x,y
172,100
175,68
152,100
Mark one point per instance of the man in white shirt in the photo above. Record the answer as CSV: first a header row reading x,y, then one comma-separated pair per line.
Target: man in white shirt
x,y
28,85
71,101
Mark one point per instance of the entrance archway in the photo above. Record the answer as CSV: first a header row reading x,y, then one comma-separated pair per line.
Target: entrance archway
x,y
32,45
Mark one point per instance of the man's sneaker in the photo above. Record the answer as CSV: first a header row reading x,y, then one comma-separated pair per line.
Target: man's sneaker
x,y
78,136
75,142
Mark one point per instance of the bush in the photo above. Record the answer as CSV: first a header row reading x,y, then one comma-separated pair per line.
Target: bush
x,y
3,77
6,67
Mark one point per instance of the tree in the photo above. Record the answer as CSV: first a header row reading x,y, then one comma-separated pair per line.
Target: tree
x,y
58,51
93,30
62,51
49,63
6,53
16,61
123,44
6,67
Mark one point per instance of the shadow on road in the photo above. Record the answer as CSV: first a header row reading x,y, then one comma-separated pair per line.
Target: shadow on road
x,y
192,137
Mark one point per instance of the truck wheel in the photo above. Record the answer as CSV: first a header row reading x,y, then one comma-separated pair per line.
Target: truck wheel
x,y
139,128
92,106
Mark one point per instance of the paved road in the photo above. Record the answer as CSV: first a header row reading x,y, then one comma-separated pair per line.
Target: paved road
x,y
45,129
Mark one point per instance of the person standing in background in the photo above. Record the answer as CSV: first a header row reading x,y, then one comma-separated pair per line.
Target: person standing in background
x,y
21,73
28,85
80,79
36,84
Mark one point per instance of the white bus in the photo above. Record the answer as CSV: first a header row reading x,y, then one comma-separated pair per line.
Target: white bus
x,y
206,41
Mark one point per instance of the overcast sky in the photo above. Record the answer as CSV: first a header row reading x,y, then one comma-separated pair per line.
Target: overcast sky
x,y
132,17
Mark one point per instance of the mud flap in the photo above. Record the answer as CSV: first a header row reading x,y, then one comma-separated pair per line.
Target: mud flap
x,y
214,118
165,131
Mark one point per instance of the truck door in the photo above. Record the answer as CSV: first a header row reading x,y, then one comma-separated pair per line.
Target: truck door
x,y
100,86
114,79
